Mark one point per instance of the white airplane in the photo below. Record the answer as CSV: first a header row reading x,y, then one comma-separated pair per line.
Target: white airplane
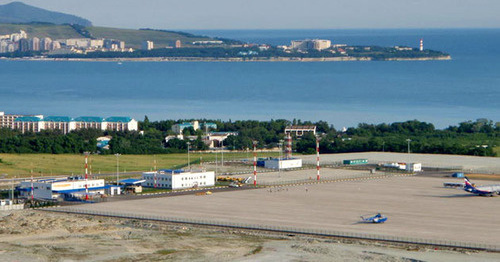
x,y
487,190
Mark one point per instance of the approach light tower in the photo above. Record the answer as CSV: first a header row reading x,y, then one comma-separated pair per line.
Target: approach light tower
x,y
255,163
317,158
86,176
421,44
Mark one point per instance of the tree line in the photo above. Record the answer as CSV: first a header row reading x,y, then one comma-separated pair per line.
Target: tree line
x,y
478,137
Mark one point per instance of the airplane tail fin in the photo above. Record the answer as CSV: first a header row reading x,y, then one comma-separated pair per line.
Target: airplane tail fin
x,y
468,184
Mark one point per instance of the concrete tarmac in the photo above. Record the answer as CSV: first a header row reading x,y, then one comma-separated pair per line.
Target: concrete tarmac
x,y
468,163
417,207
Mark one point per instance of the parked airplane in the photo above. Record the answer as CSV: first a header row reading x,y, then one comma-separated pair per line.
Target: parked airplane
x,y
487,190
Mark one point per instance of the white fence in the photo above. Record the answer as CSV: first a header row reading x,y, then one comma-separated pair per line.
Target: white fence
x,y
12,207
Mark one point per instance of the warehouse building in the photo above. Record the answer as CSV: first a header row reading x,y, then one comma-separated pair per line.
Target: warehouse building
x,y
70,187
283,163
178,179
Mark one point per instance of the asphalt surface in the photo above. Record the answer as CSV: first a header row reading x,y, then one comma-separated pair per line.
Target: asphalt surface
x,y
417,207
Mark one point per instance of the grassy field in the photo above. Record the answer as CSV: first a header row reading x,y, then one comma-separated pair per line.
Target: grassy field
x,y
41,30
23,165
134,38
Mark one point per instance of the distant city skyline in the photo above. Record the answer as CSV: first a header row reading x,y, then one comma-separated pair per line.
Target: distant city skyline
x,y
292,14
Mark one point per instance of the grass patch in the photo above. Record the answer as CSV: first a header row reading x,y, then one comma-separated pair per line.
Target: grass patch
x,y
25,165
497,150
165,252
148,190
256,250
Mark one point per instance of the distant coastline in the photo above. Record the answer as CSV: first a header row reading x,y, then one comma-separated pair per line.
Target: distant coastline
x,y
228,59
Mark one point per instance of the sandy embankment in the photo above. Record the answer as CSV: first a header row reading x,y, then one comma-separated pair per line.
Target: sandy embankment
x,y
42,236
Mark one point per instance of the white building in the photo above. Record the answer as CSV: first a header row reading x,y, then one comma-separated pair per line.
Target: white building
x,y
118,123
147,45
77,42
178,128
208,42
317,44
29,124
284,163
7,120
178,179
414,167
56,188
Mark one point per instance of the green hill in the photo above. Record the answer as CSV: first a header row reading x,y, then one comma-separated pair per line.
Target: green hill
x,y
41,30
17,12
133,38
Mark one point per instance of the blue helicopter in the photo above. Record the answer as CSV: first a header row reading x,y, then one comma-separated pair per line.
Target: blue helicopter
x,y
377,218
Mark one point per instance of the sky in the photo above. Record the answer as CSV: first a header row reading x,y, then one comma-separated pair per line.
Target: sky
x,y
280,14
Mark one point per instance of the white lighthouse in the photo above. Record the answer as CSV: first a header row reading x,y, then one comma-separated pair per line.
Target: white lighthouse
x,y
421,44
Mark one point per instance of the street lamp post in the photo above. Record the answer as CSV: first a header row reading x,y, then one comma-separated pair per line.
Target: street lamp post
x,y
12,192
281,156
317,158
117,168
222,153
408,165
189,160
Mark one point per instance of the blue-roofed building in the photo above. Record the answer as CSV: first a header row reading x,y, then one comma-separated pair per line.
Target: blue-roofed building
x,y
63,188
66,124
120,123
63,123
29,124
89,122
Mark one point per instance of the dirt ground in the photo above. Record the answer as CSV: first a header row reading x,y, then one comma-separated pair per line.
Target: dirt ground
x,y
43,236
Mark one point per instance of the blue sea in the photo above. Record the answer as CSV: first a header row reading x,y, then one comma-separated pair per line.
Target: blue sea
x,y
342,93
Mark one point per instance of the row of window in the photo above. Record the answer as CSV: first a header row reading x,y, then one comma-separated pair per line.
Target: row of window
x,y
151,184
159,178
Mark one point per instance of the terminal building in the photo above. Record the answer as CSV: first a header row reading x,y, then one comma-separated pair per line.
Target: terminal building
x,y
178,179
71,187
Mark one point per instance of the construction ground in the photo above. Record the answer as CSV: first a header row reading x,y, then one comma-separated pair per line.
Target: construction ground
x,y
45,236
